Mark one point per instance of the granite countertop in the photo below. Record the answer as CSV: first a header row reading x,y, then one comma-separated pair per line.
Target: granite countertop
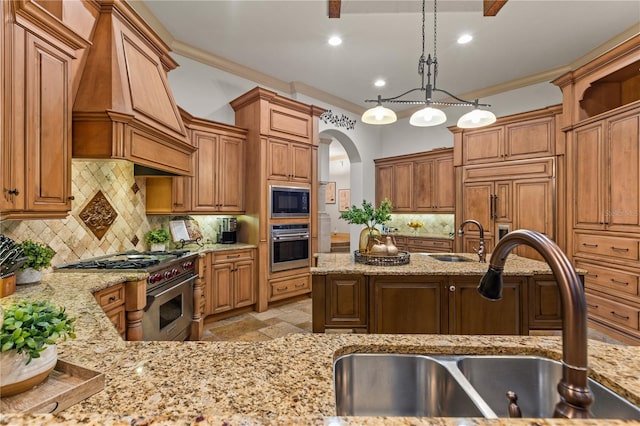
x,y
207,247
423,264
283,381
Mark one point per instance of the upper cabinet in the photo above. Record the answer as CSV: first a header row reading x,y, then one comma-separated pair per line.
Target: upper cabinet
x,y
289,161
36,60
422,182
219,173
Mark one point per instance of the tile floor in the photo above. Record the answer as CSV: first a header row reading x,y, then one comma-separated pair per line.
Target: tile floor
x,y
291,318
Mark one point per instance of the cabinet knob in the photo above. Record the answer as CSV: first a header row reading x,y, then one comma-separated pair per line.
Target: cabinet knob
x,y
71,197
452,288
13,191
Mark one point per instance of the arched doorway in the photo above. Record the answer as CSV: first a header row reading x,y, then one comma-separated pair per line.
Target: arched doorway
x,y
355,183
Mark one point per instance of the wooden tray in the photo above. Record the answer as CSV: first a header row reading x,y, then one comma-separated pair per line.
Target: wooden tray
x,y
66,385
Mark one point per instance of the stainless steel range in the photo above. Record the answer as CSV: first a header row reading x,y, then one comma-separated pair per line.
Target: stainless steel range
x,y
169,308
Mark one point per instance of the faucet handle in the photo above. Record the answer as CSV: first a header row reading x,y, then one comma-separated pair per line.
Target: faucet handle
x,y
475,250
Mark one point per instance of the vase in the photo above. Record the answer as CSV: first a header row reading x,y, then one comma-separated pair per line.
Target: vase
x,y
28,276
17,376
158,247
368,239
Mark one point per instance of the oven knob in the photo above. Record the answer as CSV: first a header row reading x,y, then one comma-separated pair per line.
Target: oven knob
x,y
187,265
167,275
174,272
154,278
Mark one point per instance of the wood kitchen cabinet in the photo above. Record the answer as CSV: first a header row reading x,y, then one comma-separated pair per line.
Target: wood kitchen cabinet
x,y
112,300
231,281
37,105
218,183
289,161
421,182
602,127
344,302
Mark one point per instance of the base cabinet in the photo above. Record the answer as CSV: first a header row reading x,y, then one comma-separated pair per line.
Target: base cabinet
x,y
111,300
431,304
231,281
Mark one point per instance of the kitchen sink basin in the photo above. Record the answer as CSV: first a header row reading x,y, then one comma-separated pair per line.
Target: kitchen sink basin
x,y
458,386
398,385
534,380
450,258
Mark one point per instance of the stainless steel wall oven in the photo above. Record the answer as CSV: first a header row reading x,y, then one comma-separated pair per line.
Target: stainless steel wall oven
x,y
289,247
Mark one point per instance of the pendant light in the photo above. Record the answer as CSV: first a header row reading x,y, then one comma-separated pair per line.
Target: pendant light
x,y
428,116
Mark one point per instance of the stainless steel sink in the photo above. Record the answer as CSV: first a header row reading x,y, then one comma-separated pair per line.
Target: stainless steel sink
x,y
450,258
534,380
398,385
458,386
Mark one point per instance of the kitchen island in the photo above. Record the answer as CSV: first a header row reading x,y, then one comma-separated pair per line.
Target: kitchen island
x,y
283,381
431,296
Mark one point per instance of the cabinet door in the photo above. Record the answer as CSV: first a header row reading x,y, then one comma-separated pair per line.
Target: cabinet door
x,y
346,301
482,146
278,161
407,305
623,212
204,187
244,285
384,183
478,201
471,243
545,308
588,178
402,187
180,194
424,185
444,186
300,168
230,174
222,288
48,124
470,313
533,210
502,202
532,138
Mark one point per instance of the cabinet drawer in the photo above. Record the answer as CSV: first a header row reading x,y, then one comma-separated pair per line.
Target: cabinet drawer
x,y
613,312
111,297
117,318
288,287
231,256
615,247
430,243
604,279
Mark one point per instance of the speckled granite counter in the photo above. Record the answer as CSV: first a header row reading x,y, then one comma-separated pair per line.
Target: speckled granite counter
x,y
423,264
284,381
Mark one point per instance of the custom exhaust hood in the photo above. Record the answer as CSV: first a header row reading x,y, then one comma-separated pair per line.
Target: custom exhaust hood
x,y
124,107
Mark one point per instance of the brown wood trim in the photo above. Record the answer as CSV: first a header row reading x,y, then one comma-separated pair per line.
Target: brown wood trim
x,y
492,7
334,8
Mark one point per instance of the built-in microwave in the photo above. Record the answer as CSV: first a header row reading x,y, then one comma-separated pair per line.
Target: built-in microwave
x,y
289,201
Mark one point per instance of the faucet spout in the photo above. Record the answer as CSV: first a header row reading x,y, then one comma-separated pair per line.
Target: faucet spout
x,y
481,251
575,395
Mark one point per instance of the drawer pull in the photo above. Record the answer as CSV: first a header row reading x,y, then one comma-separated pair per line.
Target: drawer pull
x,y
112,299
622,249
624,283
299,285
281,289
592,275
592,306
232,256
590,245
624,317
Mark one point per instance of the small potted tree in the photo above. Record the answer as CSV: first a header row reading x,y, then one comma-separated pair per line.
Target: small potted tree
x,y
28,339
157,239
39,256
369,216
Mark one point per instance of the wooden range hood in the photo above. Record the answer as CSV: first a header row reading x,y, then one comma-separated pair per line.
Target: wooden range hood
x,y
124,107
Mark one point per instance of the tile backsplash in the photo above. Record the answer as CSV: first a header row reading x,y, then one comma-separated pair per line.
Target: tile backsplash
x,y
432,224
72,239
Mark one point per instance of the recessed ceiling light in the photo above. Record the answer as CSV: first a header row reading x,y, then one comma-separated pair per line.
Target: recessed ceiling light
x,y
465,38
335,41
379,82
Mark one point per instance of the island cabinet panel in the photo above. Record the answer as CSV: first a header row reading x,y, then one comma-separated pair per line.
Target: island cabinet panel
x,y
346,302
407,304
470,313
545,308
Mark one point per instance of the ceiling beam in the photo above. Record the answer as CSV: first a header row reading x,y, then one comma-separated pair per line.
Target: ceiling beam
x,y
492,7
334,8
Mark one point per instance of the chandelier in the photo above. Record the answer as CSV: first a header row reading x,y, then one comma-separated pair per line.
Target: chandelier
x,y
428,116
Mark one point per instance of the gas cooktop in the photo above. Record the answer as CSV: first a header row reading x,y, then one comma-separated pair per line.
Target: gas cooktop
x,y
127,260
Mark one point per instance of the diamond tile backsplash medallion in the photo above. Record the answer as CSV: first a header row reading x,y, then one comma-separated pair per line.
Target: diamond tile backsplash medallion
x,y
98,215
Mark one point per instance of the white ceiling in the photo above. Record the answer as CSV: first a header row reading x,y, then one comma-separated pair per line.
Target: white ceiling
x,y
527,42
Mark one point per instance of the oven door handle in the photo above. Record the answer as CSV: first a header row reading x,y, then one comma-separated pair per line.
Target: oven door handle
x,y
291,237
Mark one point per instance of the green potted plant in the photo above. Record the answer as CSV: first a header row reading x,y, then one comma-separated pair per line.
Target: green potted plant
x,y
157,239
369,216
39,256
28,339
